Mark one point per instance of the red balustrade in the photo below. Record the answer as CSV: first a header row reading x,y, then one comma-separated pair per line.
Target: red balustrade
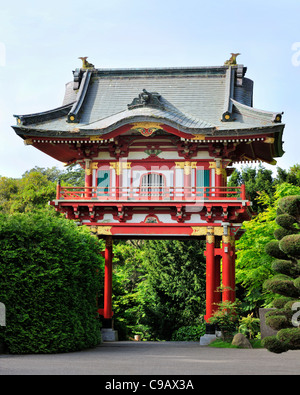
x,y
151,193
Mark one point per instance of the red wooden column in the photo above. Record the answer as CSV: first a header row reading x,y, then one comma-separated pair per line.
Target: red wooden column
x,y
227,272
217,293
187,181
219,179
210,275
88,181
108,256
233,269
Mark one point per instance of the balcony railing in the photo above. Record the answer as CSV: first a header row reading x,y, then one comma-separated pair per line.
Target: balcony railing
x,y
150,193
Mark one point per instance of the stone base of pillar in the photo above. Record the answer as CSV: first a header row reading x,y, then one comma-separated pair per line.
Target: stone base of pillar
x,y
211,333
207,339
109,335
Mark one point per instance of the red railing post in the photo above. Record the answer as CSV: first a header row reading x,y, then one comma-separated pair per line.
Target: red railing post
x,y
243,192
58,190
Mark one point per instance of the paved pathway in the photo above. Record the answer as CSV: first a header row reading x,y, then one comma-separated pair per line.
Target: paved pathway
x,y
154,358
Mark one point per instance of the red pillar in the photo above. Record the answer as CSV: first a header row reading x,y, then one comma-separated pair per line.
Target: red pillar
x,y
88,183
227,275
219,182
217,293
187,180
108,255
233,271
210,276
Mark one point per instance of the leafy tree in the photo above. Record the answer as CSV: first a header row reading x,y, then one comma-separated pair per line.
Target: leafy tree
x,y
8,189
292,176
253,264
257,181
176,285
73,175
31,192
49,270
286,250
36,188
129,282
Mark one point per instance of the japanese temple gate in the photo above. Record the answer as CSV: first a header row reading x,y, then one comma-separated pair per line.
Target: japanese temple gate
x,y
157,146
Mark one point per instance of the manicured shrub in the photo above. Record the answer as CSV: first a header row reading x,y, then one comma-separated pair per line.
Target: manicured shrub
x,y
189,333
290,245
49,270
286,221
287,283
272,248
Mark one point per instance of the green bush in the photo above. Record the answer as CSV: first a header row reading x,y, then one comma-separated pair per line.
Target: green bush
x,y
189,333
290,245
287,282
272,248
226,318
49,270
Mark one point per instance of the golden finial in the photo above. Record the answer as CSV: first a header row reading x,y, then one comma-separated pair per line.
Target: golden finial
x,y
232,60
85,63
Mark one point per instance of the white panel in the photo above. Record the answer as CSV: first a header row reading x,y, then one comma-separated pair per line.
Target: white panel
x,y
195,218
212,177
107,218
202,155
126,177
179,178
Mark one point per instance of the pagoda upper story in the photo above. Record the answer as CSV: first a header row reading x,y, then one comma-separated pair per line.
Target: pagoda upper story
x,y
156,144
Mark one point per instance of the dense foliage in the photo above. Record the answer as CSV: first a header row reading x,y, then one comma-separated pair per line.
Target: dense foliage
x,y
50,275
159,286
253,263
286,283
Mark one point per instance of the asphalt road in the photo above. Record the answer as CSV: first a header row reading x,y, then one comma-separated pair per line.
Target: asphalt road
x,y
155,359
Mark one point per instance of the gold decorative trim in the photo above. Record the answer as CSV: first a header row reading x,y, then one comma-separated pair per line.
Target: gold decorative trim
x,y
146,125
95,138
119,166
179,165
198,137
210,239
226,239
269,140
146,128
207,230
28,142
219,170
101,230
187,166
199,230
218,231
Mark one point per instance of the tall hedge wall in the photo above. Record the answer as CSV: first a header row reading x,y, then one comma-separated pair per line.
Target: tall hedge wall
x,y
50,275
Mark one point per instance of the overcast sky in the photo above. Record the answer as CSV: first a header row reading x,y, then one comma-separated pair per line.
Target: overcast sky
x,y
40,43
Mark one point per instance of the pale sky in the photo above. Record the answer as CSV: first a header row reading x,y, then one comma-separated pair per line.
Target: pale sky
x,y
40,43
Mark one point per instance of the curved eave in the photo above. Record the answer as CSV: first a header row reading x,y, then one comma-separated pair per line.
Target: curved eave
x,y
45,116
265,117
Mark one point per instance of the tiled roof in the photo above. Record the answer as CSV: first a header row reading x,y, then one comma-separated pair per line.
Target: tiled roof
x,y
207,100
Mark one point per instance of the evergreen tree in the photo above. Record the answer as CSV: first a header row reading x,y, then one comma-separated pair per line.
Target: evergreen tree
x,y
257,181
176,285
286,250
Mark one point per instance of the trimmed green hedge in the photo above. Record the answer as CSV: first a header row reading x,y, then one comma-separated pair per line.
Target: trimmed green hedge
x,y
189,333
50,274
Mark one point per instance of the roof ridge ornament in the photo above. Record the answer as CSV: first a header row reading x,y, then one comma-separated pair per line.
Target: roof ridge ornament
x,y
85,63
232,60
146,98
